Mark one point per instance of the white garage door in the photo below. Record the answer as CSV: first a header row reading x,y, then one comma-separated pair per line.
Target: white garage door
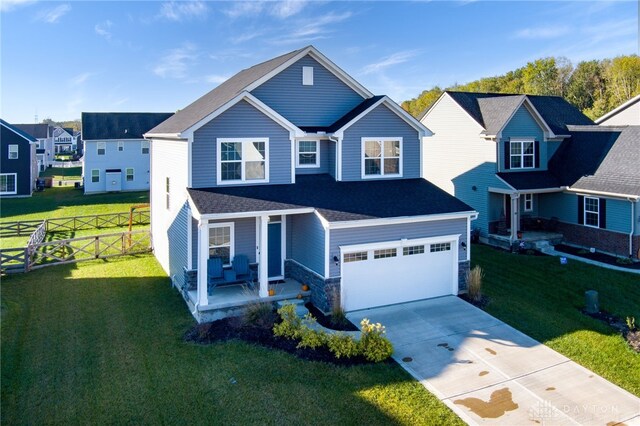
x,y
401,271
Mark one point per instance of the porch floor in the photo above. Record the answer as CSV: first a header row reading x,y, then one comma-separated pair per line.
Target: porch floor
x,y
232,296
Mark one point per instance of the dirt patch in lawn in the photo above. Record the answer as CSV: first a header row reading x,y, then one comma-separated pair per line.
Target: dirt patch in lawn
x,y
262,334
597,256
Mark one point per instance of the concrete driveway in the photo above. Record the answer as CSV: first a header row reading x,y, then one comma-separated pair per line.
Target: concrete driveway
x,y
489,373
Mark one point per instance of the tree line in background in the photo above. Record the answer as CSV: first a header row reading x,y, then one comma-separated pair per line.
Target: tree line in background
x,y
73,124
595,87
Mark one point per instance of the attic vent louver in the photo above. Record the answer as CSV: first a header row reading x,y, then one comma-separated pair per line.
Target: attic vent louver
x,y
307,76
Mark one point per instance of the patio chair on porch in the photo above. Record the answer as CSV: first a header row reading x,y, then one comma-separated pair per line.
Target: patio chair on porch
x,y
215,273
243,272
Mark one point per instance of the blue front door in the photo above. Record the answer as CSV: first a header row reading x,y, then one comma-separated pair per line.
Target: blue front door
x,y
274,254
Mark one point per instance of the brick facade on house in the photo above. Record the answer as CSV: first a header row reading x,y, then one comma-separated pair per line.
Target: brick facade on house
x,y
323,291
601,239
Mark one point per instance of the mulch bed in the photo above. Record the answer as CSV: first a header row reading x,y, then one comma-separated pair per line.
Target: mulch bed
x,y
262,334
327,321
631,336
597,256
482,303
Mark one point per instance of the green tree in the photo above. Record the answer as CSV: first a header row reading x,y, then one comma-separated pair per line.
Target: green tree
x,y
586,85
540,77
417,106
623,79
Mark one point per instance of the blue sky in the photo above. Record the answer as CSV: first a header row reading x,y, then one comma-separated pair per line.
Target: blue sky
x,y
62,58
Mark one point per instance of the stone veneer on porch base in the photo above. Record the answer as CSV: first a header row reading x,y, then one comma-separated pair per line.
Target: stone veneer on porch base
x,y
322,290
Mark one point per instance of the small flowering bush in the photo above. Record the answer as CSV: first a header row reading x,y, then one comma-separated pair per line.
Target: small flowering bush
x,y
373,345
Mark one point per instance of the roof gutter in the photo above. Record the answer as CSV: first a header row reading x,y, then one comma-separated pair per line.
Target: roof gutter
x,y
605,194
472,214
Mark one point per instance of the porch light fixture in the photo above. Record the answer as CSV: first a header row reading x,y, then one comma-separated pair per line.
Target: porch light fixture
x,y
336,259
464,245
475,188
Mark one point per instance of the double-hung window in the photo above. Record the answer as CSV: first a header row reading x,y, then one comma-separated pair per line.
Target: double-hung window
x,y
221,241
592,211
528,202
102,148
95,175
522,155
145,147
381,157
243,160
8,183
13,152
120,146
129,174
308,154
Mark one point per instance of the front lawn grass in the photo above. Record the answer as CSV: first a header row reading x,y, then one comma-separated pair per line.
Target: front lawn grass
x,y
101,343
542,298
59,173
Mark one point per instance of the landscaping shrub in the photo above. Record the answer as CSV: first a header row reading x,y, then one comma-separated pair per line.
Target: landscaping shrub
x,y
474,283
338,315
291,324
258,313
312,339
373,345
343,345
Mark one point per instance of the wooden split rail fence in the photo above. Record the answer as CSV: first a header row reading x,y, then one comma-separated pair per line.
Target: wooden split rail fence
x,y
38,254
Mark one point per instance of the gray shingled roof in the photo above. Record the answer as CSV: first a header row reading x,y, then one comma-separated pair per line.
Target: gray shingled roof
x,y
119,125
190,115
335,201
492,110
40,131
19,131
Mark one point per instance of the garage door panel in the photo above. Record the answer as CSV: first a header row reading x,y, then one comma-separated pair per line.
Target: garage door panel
x,y
377,282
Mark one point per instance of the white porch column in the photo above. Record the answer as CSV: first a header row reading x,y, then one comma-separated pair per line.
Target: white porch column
x,y
263,274
203,254
515,216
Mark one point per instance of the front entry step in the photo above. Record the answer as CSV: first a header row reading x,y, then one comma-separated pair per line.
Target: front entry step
x,y
301,310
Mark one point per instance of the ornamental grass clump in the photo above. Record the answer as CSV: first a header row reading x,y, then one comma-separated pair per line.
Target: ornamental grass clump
x,y
474,283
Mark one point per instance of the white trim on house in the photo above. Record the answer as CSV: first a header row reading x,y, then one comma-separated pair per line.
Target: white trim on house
x,y
120,146
588,192
382,174
243,160
394,107
327,242
15,184
101,145
189,240
239,215
432,107
324,61
307,76
232,246
521,141
505,182
548,133
528,198
596,212
397,220
618,110
145,145
126,174
14,148
317,154
398,243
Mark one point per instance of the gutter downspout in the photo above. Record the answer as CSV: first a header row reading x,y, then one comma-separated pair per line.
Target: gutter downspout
x,y
633,216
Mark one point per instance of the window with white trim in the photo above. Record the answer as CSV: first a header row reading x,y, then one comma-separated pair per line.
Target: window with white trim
x,y
384,253
592,212
243,160
355,257
95,175
120,146
528,202
8,183
308,154
145,147
522,154
221,242
129,174
381,157
307,76
167,189
102,148
13,152
409,251
440,247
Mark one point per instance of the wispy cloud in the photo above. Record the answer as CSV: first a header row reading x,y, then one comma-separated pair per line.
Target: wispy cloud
x,y
278,9
103,29
231,55
80,79
216,78
244,9
53,15
176,62
313,29
179,11
9,5
542,32
120,101
241,38
388,61
287,8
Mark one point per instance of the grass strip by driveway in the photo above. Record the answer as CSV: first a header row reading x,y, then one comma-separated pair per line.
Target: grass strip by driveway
x,y
542,298
101,342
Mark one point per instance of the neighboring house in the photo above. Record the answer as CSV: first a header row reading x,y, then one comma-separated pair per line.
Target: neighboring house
x,y
116,155
63,139
44,134
626,114
18,165
296,165
535,163
79,144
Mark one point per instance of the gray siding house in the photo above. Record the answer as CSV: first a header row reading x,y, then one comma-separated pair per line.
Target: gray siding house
x,y
297,166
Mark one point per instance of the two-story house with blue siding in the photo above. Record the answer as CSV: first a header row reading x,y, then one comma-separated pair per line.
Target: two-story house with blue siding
x,y
297,167
116,155
18,164
534,167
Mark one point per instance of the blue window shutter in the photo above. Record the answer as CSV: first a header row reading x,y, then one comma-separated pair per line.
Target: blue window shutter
x,y
507,155
602,213
536,154
580,210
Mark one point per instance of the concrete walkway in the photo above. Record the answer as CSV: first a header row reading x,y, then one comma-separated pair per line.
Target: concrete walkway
x,y
489,373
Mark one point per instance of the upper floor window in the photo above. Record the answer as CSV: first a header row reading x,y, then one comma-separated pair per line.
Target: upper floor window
x,y
307,76
243,160
145,147
102,148
129,174
592,211
95,175
120,146
13,152
381,157
308,154
522,154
